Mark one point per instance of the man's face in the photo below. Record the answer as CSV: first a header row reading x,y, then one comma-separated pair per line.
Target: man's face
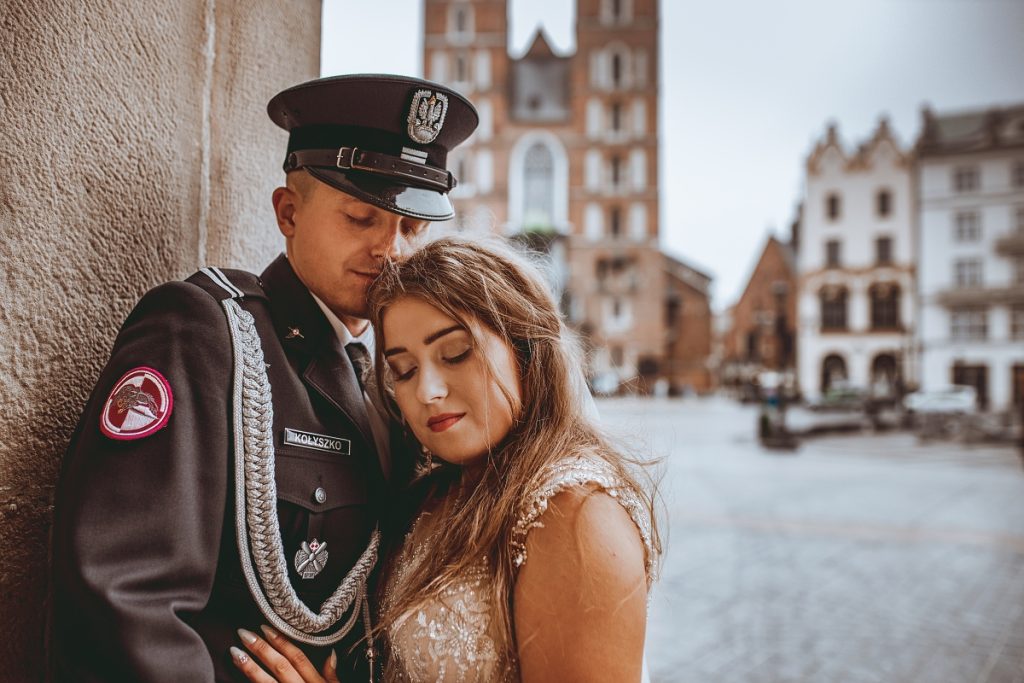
x,y
337,244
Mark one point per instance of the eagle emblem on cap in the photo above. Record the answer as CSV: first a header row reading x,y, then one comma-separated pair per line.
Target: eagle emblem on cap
x,y
426,115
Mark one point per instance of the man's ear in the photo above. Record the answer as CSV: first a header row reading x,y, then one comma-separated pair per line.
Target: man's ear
x,y
285,200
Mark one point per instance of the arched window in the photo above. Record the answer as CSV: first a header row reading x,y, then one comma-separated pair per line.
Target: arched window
x,y
885,306
460,22
538,185
833,372
885,376
833,308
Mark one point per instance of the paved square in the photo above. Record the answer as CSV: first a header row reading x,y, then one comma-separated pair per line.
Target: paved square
x,y
856,559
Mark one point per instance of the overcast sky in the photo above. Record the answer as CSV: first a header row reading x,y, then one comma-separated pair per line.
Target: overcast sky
x,y
747,86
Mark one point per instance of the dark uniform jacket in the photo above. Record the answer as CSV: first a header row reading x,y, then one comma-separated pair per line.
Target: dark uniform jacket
x,y
147,583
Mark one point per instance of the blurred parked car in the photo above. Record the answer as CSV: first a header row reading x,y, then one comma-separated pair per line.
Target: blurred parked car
x,y
842,398
955,399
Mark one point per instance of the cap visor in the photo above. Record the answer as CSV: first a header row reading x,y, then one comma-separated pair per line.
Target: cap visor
x,y
414,202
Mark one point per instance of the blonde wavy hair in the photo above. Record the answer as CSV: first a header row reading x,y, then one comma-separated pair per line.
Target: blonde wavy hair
x,y
506,292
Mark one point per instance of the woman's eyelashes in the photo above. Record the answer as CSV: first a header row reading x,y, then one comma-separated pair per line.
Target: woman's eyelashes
x,y
458,357
452,357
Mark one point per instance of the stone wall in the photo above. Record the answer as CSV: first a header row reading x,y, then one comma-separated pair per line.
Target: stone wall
x,y
134,147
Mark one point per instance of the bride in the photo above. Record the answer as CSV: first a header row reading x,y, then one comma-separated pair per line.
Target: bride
x,y
529,544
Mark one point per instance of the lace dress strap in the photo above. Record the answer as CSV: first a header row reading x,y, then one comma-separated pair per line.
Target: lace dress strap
x,y
582,471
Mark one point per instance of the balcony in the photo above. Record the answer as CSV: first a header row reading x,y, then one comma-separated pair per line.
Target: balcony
x,y
1011,245
971,296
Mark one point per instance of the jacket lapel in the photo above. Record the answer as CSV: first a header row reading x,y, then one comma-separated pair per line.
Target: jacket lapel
x,y
304,331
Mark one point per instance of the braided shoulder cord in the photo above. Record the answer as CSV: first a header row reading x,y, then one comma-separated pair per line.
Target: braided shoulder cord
x,y
256,505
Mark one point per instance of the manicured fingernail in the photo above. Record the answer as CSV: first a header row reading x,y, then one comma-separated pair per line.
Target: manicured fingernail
x,y
238,655
334,659
248,637
270,633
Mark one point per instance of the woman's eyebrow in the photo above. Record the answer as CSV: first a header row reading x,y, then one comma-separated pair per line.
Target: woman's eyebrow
x,y
427,341
434,336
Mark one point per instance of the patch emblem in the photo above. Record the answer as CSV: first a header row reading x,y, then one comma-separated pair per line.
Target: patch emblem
x,y
426,115
139,405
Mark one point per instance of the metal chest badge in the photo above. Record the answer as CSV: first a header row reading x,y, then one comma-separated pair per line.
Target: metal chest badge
x,y
426,115
311,559
140,404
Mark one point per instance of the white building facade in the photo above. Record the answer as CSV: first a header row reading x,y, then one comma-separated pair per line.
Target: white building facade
x,y
855,268
970,180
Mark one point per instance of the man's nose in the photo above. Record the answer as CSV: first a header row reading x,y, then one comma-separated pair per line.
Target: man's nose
x,y
391,242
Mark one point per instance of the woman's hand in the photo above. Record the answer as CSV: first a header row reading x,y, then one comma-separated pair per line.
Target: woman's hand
x,y
285,662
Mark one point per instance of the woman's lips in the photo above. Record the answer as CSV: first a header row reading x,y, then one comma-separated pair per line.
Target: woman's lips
x,y
439,423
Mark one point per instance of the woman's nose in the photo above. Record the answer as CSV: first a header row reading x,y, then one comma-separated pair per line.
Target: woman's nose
x,y
432,386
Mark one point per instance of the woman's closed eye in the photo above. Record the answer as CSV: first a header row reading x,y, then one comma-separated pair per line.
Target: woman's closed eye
x,y
458,357
402,373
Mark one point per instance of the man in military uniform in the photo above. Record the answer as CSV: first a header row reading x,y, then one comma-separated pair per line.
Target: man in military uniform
x,y
229,469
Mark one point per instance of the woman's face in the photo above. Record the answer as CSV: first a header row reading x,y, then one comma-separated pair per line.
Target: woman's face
x,y
448,395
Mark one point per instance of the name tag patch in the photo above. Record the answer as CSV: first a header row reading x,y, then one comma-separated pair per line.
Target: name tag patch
x,y
317,442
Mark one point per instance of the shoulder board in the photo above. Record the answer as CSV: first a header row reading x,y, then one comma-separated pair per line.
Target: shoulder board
x,y
227,283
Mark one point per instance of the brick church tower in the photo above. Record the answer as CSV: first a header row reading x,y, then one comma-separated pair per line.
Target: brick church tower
x,y
566,156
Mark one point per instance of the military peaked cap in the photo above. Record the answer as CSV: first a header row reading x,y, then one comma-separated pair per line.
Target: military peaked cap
x,y
384,139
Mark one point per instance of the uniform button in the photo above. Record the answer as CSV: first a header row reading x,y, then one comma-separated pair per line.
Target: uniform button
x,y
320,495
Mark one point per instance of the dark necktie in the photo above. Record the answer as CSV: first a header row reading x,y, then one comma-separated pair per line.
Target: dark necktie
x,y
360,358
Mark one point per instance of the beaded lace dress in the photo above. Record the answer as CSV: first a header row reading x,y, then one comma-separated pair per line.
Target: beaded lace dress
x,y
452,638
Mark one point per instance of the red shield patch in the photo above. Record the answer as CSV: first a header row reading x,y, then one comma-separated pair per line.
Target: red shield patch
x,y
139,405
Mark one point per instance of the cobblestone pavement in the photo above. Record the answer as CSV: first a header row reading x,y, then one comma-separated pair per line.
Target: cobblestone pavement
x,y
856,559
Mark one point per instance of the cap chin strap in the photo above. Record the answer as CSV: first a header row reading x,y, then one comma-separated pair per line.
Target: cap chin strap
x,y
256,522
377,163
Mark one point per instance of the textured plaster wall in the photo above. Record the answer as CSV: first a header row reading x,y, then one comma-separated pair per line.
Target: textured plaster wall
x,y
134,147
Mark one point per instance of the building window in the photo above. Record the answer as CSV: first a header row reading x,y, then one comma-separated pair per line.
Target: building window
x,y
461,69
462,171
833,308
833,372
883,203
460,22
973,376
885,306
832,254
638,222
616,70
1018,174
639,118
594,222
967,272
883,251
616,116
968,323
832,206
1020,220
1018,270
967,226
539,184
1017,321
638,168
965,178
615,222
616,170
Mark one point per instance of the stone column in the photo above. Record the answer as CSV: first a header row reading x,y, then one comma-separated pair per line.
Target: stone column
x,y
134,147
